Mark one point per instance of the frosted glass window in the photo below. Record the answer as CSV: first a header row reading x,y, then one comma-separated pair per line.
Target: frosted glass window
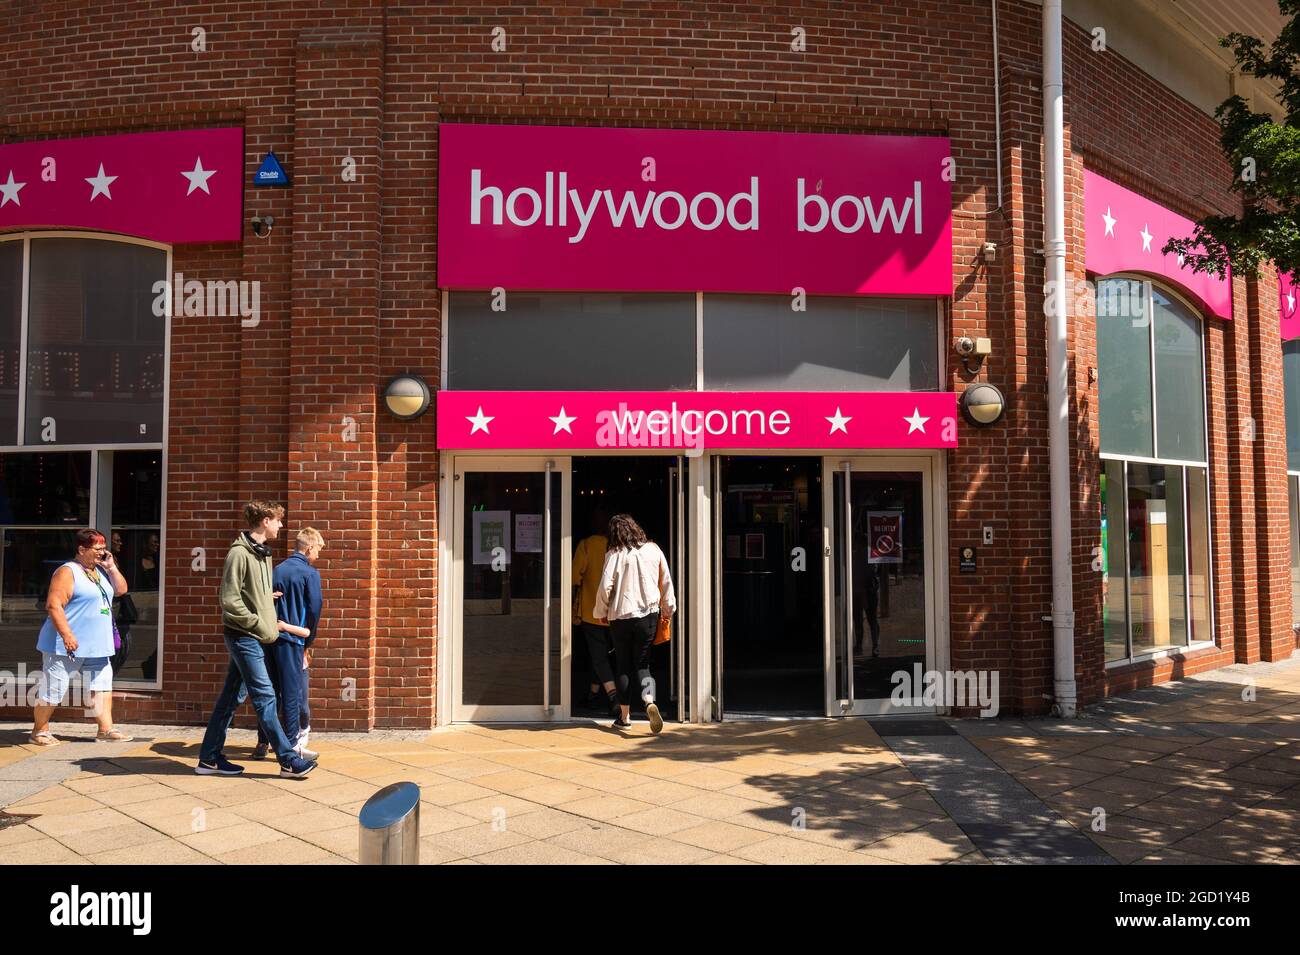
x,y
11,308
1124,367
1291,388
1180,382
571,341
95,348
760,343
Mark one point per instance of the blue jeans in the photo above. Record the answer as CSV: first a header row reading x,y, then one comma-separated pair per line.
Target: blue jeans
x,y
247,668
284,666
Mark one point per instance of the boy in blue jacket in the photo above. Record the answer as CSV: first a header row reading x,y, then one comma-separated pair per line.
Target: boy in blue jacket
x,y
298,605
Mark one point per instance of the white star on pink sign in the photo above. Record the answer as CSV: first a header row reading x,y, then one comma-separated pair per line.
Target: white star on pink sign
x,y
9,191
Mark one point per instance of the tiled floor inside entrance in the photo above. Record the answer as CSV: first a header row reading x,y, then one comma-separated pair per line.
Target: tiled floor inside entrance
x,y
1190,772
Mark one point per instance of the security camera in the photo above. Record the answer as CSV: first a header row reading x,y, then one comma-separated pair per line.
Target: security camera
x,y
262,227
972,348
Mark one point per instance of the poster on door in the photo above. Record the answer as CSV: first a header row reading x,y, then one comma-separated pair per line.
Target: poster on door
x,y
885,537
528,533
491,529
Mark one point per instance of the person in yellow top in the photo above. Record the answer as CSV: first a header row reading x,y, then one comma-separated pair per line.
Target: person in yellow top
x,y
588,561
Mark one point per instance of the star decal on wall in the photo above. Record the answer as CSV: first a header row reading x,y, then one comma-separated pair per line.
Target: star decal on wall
x,y
100,183
9,191
198,177
916,422
838,421
479,421
563,422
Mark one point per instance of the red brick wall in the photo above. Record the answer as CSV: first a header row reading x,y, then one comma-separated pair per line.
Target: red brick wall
x,y
349,294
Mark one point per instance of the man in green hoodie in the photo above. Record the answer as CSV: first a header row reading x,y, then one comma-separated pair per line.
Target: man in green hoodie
x,y
248,615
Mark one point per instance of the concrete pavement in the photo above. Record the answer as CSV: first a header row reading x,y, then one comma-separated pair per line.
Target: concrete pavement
x,y
1205,770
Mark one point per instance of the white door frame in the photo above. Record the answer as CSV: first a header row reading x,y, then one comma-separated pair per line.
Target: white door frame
x,y
934,539
700,494
559,708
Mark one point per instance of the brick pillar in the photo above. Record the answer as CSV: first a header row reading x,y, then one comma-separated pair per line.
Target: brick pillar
x,y
334,349
1027,592
1272,518
1240,487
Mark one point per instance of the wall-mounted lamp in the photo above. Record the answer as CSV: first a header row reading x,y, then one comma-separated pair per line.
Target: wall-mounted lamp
x,y
407,397
972,348
262,227
990,252
982,405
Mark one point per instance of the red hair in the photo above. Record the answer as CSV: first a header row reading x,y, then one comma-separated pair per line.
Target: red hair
x,y
89,537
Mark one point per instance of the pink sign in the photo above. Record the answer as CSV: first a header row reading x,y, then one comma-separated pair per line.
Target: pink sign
x,y
693,420
1125,233
558,207
1287,296
175,187
885,537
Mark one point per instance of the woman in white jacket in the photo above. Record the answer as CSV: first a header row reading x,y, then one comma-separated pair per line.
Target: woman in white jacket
x,y
635,591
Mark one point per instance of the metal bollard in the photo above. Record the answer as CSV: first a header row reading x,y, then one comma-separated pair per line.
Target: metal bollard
x,y
390,826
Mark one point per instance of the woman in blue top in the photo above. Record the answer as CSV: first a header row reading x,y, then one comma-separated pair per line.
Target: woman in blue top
x,y
78,636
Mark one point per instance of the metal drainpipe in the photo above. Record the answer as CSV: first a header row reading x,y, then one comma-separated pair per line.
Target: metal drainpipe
x,y
1058,397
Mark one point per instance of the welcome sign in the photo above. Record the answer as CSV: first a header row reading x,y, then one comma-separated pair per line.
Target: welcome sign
x,y
691,421
556,207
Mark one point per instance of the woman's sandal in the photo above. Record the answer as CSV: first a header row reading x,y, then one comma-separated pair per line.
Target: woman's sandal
x,y
114,736
43,739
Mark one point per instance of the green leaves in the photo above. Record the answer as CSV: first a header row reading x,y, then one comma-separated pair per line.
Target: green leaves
x,y
1265,158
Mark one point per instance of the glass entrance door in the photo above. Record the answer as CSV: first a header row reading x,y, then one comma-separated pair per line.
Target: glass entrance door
x,y
676,553
769,655
880,583
510,621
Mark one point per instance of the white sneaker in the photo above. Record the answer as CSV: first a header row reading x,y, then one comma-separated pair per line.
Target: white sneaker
x,y
302,736
306,753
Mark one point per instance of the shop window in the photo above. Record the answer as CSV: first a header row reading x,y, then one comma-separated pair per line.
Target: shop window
x,y
1291,392
1124,352
1180,381
570,341
11,308
94,345
137,546
44,501
1155,540
760,343
1293,495
95,363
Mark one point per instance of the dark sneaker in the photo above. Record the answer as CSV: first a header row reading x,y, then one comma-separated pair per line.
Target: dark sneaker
x,y
621,724
260,751
295,767
222,767
656,721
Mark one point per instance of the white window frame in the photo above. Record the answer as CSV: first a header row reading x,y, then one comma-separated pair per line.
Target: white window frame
x,y
1131,658
1293,479
95,449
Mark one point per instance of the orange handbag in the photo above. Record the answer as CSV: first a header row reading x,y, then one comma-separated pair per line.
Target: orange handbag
x,y
664,629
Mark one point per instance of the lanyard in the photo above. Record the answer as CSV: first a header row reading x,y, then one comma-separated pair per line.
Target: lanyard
x,y
102,592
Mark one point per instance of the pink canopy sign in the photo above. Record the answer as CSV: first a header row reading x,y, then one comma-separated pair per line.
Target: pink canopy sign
x,y
175,187
1287,296
686,420
1125,232
557,207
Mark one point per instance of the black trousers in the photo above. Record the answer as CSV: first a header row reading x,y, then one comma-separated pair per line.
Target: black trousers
x,y
633,638
599,649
